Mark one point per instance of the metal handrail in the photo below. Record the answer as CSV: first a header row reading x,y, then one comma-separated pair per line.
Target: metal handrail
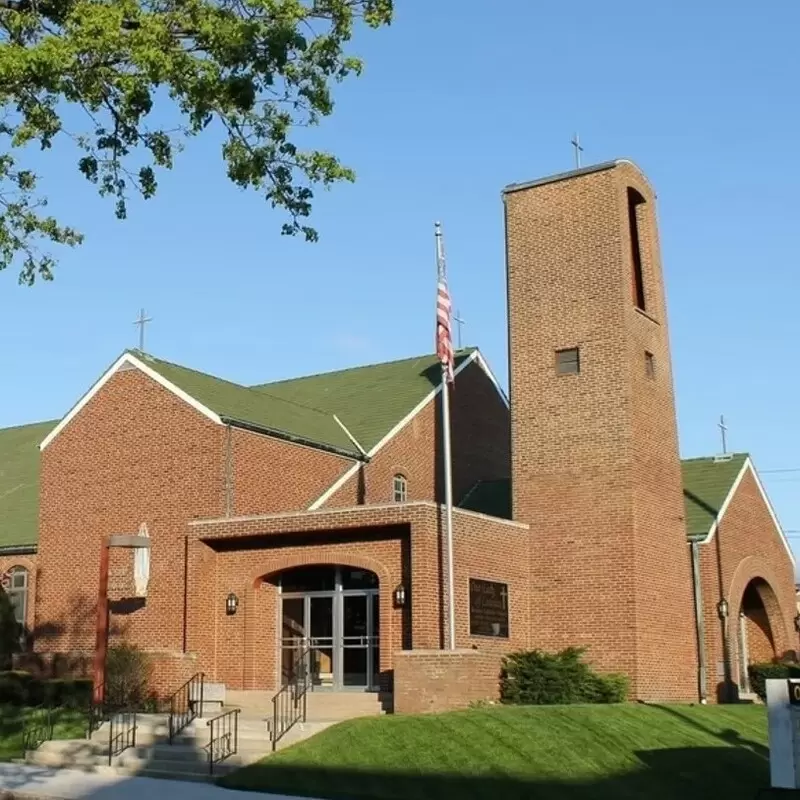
x,y
96,712
224,741
37,728
125,723
181,708
290,702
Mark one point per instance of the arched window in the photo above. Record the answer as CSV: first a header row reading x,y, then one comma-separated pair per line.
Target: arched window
x,y
17,592
400,488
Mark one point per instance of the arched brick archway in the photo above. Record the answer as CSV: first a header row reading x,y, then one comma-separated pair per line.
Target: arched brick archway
x,y
291,562
262,612
759,628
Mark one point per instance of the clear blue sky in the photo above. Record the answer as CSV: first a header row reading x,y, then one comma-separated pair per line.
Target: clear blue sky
x,y
457,100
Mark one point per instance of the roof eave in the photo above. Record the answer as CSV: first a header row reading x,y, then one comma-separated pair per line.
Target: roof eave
x,y
294,438
18,549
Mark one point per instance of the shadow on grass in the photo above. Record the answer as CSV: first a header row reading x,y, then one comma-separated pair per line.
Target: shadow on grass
x,y
736,773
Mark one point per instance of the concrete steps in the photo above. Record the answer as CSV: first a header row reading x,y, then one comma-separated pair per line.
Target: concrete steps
x,y
187,757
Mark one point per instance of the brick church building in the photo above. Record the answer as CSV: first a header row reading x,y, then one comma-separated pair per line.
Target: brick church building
x,y
304,515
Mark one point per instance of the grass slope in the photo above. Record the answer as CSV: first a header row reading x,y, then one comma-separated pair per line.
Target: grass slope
x,y
67,725
577,752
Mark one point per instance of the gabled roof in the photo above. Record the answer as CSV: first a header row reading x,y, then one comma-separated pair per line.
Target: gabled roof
x,y
19,483
256,408
331,411
368,400
707,482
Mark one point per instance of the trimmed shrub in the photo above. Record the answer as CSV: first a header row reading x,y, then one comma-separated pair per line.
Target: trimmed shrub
x,y
538,678
760,673
22,689
127,677
15,688
66,692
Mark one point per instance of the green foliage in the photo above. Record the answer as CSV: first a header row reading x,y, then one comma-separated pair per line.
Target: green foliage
x,y
538,678
127,677
22,689
10,630
15,688
759,673
146,76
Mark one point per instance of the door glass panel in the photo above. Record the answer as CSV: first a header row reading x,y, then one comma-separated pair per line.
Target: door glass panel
x,y
376,640
321,632
293,635
355,641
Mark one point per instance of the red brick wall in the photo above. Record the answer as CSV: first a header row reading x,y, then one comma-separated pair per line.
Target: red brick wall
x,y
665,632
606,538
436,680
247,642
746,547
268,474
135,453
760,647
400,543
483,548
480,426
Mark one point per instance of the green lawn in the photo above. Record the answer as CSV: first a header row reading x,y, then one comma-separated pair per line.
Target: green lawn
x,y
68,725
576,752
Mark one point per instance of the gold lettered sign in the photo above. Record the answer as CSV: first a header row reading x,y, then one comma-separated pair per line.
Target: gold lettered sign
x,y
794,692
488,608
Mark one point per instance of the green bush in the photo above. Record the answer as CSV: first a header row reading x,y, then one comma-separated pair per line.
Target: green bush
x,y
66,692
22,689
127,677
538,678
15,688
759,673
10,632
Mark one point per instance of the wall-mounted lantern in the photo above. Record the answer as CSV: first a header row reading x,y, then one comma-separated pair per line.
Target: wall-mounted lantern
x,y
722,609
231,604
399,596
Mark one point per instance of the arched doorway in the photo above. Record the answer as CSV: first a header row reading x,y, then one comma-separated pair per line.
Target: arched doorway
x,y
756,635
330,621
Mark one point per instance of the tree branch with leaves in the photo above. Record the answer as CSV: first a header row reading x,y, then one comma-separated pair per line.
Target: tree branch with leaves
x,y
260,68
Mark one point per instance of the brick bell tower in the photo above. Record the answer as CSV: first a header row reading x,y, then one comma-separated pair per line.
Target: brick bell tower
x,y
595,464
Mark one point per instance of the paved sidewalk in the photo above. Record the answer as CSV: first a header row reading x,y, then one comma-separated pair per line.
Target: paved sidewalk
x,y
27,782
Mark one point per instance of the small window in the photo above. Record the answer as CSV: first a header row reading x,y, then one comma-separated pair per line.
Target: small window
x,y
649,365
568,362
400,488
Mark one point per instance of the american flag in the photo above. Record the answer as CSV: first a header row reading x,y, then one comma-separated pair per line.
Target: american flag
x,y
444,336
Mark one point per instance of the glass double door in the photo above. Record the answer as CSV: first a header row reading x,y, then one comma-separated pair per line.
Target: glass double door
x,y
337,632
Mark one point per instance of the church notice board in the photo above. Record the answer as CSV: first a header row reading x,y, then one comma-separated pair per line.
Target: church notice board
x,y
488,608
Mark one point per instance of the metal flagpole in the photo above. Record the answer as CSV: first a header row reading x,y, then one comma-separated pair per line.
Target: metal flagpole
x,y
446,448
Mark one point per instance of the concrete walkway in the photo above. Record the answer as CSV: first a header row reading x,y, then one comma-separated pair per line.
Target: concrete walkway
x,y
29,782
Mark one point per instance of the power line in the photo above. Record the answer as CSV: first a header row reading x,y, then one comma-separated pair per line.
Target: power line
x,y
790,469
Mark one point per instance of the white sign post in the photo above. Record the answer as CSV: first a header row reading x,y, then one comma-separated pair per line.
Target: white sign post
x,y
783,716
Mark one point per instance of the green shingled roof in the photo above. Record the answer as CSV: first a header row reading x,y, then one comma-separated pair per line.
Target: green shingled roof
x,y
19,483
369,401
241,404
706,484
